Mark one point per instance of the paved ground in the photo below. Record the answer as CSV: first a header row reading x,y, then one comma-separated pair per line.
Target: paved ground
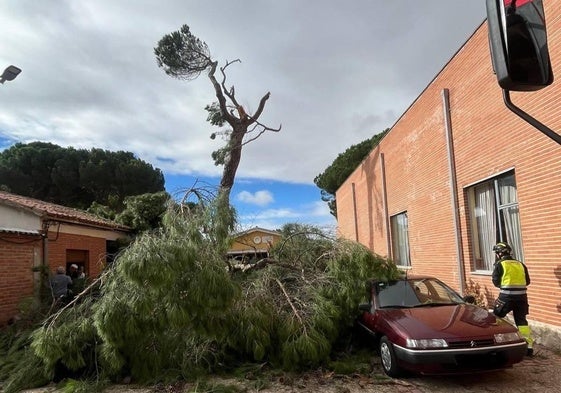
x,y
542,373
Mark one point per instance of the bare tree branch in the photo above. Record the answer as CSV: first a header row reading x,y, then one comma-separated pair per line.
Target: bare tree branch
x,y
231,94
261,132
219,95
291,304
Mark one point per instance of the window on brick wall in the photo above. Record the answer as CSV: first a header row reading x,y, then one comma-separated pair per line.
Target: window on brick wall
x,y
400,239
494,217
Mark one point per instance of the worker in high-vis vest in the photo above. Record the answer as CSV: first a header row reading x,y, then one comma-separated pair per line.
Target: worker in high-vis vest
x,y
512,278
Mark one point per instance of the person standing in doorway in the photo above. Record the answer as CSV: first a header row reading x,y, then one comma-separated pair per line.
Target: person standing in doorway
x,y
73,271
512,278
60,284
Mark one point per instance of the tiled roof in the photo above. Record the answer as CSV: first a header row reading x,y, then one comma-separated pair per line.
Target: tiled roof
x,y
53,211
17,231
257,229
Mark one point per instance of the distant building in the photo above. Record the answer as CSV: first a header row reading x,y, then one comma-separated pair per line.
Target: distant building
x,y
253,244
37,235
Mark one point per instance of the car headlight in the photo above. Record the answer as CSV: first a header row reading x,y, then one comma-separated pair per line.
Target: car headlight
x,y
501,338
427,343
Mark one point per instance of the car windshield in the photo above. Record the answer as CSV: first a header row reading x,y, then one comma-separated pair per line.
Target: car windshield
x,y
424,292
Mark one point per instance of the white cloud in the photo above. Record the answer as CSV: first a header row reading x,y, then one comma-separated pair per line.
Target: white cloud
x,y
276,214
320,209
260,198
316,213
338,72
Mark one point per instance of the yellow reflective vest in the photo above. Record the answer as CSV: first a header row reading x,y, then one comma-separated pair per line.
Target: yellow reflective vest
x,y
511,276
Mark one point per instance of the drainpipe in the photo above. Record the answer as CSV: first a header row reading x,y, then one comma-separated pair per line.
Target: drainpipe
x,y
45,240
385,199
41,281
355,212
453,188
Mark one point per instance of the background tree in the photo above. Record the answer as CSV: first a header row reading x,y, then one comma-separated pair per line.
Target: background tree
x,y
144,212
76,177
340,169
184,56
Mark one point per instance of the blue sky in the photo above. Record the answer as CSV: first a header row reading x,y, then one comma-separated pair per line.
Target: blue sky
x,y
338,72
266,204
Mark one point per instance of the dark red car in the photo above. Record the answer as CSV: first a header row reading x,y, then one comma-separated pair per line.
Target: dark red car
x,y
421,325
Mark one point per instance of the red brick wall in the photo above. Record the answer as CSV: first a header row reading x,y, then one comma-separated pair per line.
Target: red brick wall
x,y
95,246
488,139
16,277
17,260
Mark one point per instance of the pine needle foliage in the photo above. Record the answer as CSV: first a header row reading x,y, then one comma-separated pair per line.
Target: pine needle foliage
x,y
82,386
170,307
294,309
160,302
19,367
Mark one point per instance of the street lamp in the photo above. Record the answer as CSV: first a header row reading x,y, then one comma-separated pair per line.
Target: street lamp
x,y
9,74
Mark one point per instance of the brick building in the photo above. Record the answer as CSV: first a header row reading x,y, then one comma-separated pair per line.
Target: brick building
x,y
458,171
34,234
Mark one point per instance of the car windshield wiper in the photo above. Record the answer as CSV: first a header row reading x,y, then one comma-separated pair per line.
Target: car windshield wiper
x,y
435,304
397,306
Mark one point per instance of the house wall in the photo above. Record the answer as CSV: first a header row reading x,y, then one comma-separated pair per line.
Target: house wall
x,y
18,255
59,245
13,218
413,162
246,242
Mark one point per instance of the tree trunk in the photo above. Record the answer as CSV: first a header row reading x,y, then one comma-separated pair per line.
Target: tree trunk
x,y
232,160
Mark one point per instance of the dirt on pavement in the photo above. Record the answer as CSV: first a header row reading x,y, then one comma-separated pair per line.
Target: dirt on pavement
x,y
541,373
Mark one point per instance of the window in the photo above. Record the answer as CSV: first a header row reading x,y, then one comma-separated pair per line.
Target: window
x,y
494,217
400,239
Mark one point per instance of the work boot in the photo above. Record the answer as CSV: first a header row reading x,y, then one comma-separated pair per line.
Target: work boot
x,y
530,352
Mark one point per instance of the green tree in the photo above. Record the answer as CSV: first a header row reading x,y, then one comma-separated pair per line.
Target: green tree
x,y
112,176
184,56
25,169
144,212
76,177
65,179
340,169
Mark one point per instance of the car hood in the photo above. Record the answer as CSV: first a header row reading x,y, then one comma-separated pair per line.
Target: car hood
x,y
443,321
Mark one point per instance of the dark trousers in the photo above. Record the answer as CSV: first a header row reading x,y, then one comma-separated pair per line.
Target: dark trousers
x,y
518,304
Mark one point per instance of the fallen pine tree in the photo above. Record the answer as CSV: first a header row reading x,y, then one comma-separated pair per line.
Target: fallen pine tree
x,y
170,308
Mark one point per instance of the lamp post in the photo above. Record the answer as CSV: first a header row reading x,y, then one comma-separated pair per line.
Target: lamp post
x,y
9,74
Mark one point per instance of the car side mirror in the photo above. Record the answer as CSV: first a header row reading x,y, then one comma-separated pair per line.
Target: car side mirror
x,y
364,307
469,299
518,43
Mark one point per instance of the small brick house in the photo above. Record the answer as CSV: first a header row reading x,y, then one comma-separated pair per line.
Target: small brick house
x,y
36,234
459,172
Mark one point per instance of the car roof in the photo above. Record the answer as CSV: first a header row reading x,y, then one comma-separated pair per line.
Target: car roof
x,y
407,278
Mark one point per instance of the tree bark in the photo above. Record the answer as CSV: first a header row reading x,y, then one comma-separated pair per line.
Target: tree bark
x,y
239,126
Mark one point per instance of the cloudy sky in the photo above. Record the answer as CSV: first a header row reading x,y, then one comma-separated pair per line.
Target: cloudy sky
x,y
338,73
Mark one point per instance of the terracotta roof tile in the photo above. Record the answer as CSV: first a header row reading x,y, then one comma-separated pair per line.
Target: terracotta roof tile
x,y
51,210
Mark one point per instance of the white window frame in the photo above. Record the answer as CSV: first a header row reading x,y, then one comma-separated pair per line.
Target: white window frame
x,y
494,217
399,224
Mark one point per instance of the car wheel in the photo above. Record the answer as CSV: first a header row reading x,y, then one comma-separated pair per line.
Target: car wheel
x,y
387,356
